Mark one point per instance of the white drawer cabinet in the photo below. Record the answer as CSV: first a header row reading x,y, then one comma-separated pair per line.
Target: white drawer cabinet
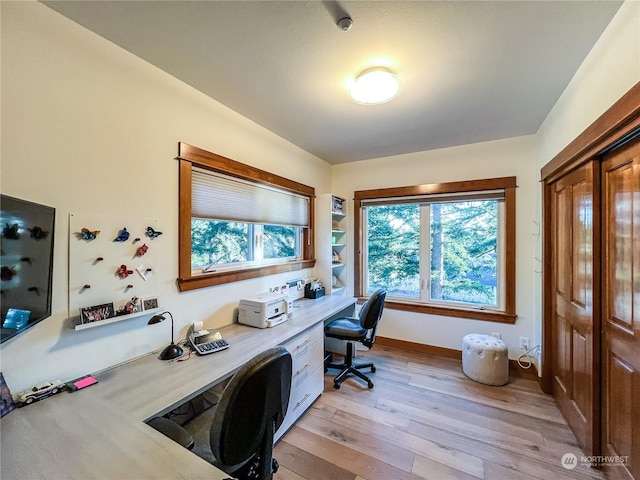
x,y
301,399
307,382
306,364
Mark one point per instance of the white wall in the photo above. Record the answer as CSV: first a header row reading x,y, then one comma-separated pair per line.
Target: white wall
x,y
503,158
607,73
90,128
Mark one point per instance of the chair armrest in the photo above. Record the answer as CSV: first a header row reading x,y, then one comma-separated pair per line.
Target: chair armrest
x,y
172,430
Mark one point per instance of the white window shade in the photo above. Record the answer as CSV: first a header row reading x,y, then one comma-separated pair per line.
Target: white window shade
x,y
221,197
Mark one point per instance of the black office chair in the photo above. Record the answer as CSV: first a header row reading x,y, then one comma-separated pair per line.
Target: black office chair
x,y
251,408
361,329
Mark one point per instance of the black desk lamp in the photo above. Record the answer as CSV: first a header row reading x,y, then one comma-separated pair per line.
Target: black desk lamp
x,y
171,351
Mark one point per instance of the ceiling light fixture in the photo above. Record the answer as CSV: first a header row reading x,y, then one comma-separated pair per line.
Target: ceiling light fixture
x,y
374,86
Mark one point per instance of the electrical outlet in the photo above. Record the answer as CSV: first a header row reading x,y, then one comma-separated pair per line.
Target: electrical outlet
x,y
497,335
524,343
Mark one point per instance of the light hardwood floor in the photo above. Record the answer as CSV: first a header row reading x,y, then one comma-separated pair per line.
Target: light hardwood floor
x,y
425,420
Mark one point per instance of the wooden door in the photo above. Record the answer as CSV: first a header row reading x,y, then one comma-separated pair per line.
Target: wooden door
x,y
574,330
621,311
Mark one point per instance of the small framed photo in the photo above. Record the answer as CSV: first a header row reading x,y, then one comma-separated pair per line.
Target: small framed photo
x,y
149,303
97,313
337,205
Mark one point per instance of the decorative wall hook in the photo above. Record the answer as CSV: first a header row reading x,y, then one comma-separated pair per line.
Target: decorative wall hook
x,y
149,270
34,289
151,233
37,233
137,239
26,260
142,250
85,286
7,273
10,232
123,235
87,234
124,272
99,259
129,286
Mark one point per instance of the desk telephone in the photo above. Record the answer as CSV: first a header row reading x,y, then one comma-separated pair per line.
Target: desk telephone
x,y
205,341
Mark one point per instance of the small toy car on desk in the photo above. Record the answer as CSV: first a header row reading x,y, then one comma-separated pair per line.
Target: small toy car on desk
x,y
40,391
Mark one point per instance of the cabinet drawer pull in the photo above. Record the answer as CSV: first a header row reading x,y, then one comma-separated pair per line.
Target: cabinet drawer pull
x,y
303,400
303,344
302,369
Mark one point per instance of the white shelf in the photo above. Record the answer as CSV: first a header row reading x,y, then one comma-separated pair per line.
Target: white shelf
x,y
335,245
119,318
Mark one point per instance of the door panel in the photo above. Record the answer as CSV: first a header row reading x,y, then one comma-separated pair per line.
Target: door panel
x,y
582,243
581,391
574,373
562,361
621,310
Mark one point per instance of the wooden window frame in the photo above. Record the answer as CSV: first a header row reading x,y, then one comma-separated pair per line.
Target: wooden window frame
x,y
506,183
190,156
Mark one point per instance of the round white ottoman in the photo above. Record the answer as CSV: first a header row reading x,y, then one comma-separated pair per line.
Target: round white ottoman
x,y
485,359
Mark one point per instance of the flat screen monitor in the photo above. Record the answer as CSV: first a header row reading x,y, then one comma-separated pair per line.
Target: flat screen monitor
x,y
26,259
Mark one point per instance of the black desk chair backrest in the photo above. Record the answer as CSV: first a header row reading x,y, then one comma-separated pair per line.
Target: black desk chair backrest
x,y
370,314
251,408
356,329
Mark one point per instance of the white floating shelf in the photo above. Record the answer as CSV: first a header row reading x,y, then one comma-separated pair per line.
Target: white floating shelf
x,y
119,318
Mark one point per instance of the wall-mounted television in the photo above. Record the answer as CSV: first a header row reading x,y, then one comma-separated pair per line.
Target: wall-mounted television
x,y
26,264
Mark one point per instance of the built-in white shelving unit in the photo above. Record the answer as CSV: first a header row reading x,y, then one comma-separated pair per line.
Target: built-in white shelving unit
x,y
332,243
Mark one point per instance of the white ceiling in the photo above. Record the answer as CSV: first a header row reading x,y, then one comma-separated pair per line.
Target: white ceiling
x,y
472,71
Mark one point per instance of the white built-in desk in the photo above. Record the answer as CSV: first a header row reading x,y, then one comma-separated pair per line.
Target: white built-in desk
x,y
99,432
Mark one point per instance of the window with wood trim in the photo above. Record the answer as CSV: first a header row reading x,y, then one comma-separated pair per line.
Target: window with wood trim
x,y
445,249
238,222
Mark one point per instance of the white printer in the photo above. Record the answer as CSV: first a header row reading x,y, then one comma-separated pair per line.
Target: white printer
x,y
265,310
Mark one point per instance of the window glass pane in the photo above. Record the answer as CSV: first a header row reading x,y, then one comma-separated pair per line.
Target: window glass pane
x,y
393,249
279,241
464,256
217,242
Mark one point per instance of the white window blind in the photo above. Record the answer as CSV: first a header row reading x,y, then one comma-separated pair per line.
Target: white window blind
x,y
222,197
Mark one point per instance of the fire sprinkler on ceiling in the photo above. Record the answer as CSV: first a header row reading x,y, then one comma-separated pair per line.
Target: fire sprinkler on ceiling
x,y
345,24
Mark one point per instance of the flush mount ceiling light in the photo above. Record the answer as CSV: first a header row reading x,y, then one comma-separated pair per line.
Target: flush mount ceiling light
x,y
374,86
